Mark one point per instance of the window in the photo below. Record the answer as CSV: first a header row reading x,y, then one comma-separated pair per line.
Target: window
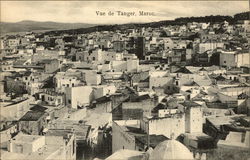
x,y
69,101
225,61
177,83
93,58
73,146
19,148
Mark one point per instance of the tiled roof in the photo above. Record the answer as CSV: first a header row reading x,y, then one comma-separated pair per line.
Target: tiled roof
x,y
183,70
190,104
38,108
32,116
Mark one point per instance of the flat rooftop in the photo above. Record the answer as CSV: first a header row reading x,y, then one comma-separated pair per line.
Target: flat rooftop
x,y
59,132
15,102
42,153
26,138
154,139
225,120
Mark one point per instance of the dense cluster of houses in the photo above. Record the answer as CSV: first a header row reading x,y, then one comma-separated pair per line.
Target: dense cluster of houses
x,y
143,92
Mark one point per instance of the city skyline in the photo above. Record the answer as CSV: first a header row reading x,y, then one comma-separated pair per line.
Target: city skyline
x,y
176,86
85,11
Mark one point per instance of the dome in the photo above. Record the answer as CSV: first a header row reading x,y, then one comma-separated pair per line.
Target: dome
x,y
171,149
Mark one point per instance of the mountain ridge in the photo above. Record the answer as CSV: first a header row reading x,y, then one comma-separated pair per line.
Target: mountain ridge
x,y
178,21
50,26
29,25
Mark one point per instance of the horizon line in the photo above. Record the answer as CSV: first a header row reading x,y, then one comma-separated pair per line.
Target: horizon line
x,y
115,23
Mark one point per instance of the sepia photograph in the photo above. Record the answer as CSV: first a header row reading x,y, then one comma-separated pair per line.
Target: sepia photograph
x,y
125,80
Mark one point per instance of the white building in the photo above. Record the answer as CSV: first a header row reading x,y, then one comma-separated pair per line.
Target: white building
x,y
203,47
28,147
78,96
93,78
243,59
175,127
103,90
194,119
64,79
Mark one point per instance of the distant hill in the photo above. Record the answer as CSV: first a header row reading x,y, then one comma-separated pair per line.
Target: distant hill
x,y
77,28
242,16
178,21
26,26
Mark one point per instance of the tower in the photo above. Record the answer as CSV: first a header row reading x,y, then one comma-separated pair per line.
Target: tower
x,y
140,47
194,118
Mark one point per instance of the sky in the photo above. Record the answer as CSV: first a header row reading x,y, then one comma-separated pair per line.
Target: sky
x,y
85,11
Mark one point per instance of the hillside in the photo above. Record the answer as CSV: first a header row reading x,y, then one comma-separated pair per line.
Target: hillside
x,y
77,28
178,21
25,26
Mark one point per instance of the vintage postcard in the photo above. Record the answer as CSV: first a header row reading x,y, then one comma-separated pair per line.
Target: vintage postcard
x,y
125,80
